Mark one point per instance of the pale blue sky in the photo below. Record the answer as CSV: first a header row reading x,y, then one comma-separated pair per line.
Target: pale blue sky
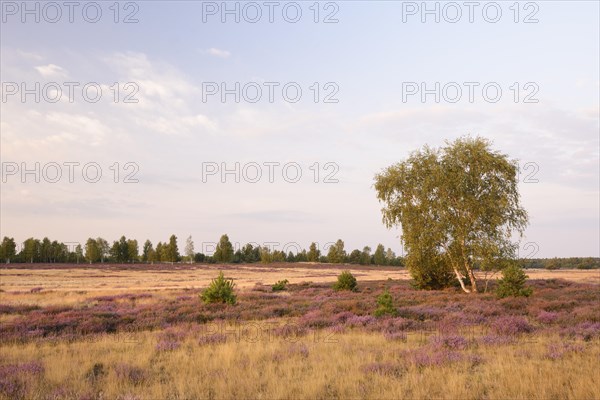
x,y
369,53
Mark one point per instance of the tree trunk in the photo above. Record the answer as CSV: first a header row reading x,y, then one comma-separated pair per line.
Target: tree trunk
x,y
462,284
473,280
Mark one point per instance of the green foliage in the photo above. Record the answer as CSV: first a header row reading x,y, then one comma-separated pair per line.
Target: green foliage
x,y
8,249
345,281
379,256
458,204
513,283
133,250
365,256
313,253
92,252
220,290
428,270
147,250
120,250
354,257
280,285
336,253
224,250
266,256
385,305
172,251
561,263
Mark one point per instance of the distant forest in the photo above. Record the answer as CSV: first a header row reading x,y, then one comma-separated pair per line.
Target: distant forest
x,y
561,263
127,251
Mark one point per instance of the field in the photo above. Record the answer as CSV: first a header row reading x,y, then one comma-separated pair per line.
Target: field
x,y
141,332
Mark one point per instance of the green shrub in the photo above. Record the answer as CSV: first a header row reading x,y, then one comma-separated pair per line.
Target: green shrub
x,y
346,281
281,285
429,271
385,305
513,283
220,290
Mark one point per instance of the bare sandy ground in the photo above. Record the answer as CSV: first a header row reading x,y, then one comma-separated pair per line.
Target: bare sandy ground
x,y
106,280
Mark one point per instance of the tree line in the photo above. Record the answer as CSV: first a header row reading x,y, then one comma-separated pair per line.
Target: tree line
x,y
124,250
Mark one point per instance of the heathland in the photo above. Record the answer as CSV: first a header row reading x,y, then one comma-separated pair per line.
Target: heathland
x,y
142,332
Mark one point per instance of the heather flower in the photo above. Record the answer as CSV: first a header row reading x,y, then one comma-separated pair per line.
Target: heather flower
x,y
424,357
586,330
511,325
339,328
315,319
299,349
213,339
453,342
360,320
342,316
290,331
547,317
495,340
559,350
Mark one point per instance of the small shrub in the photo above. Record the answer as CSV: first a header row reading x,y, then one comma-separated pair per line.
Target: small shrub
x,y
511,325
547,317
131,373
495,340
290,331
513,283
452,342
315,319
360,320
220,290
346,281
280,285
558,350
385,305
95,373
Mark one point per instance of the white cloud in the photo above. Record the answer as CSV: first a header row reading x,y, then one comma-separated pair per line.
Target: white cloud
x,y
51,70
29,56
213,51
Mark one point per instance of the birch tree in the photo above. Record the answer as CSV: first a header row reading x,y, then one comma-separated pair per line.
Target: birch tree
x,y
458,207
189,249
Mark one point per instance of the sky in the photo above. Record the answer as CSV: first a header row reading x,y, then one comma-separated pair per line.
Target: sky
x,y
268,120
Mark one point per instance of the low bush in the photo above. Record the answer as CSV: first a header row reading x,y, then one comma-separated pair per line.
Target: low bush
x,y
280,285
385,305
220,290
345,281
513,283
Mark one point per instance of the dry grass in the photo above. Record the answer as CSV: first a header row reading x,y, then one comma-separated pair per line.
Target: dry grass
x,y
111,279
307,368
218,360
